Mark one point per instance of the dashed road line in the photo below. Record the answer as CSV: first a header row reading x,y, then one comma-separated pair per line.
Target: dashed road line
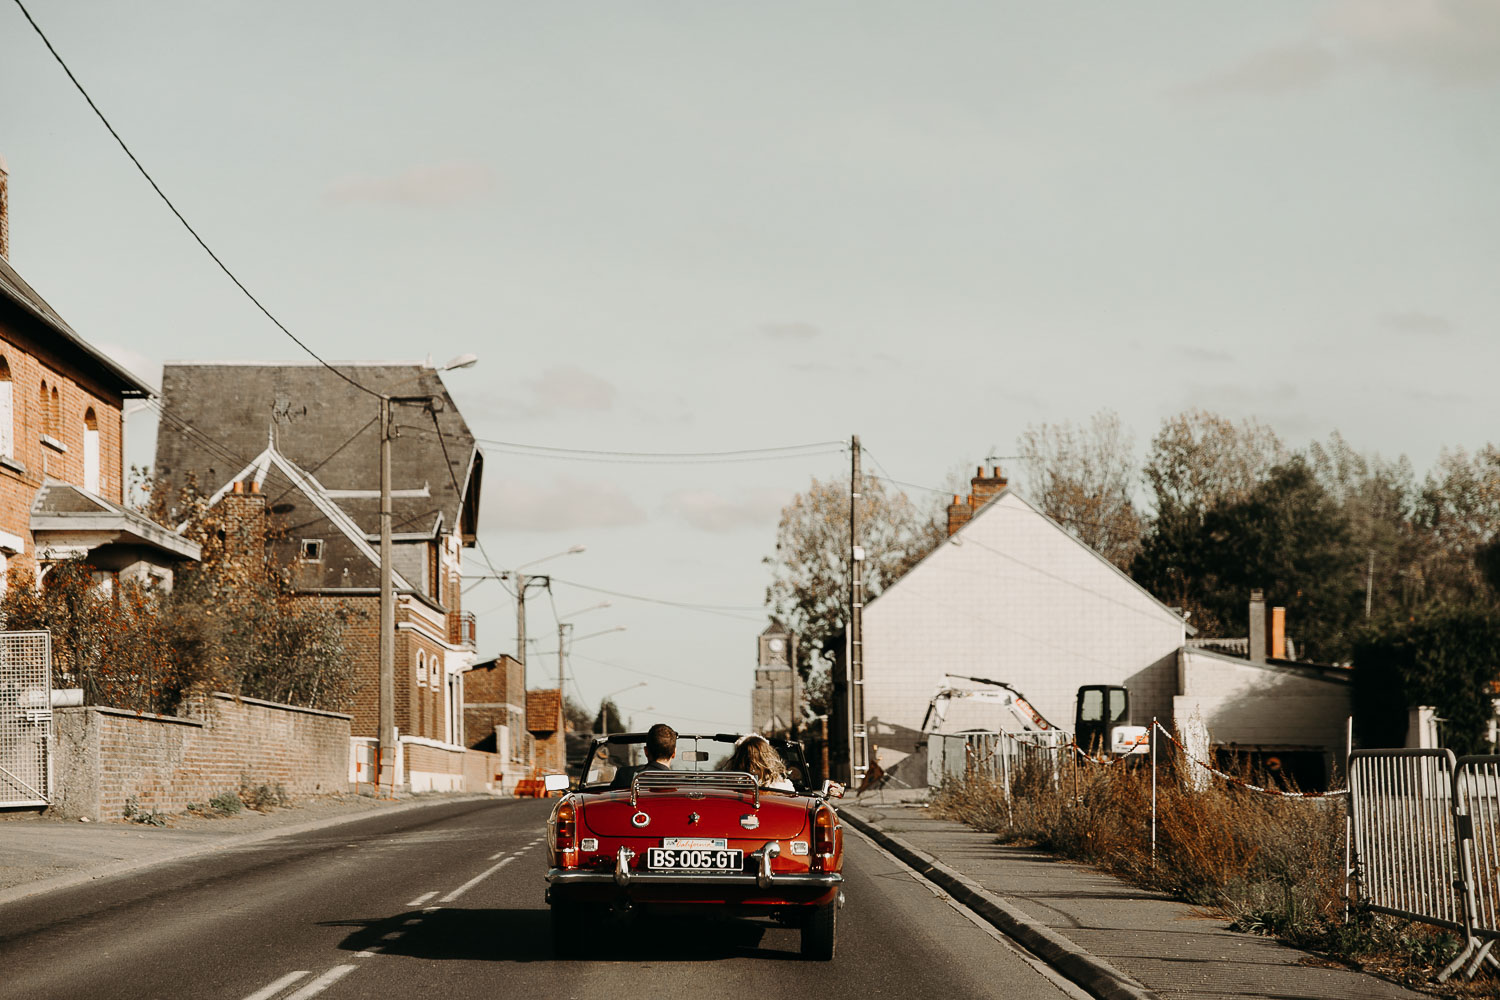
x,y
322,983
475,881
266,992
493,857
422,898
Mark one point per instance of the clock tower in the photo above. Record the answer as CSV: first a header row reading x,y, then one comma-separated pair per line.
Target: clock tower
x,y
775,702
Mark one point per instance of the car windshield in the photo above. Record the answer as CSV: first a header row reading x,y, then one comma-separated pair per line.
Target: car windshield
x,y
609,756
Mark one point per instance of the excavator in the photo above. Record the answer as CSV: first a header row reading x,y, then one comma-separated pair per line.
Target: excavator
x,y
1101,717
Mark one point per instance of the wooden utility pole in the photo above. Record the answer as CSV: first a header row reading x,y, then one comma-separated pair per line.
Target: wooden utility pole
x,y
386,768
858,750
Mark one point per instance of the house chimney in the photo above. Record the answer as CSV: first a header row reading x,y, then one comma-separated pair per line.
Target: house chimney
x,y
959,513
237,487
984,487
1276,634
4,210
1258,625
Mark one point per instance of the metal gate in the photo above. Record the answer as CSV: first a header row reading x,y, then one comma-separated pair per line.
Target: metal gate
x,y
25,718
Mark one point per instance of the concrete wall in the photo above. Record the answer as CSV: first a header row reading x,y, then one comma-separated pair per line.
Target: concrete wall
x,y
106,756
1263,704
1015,598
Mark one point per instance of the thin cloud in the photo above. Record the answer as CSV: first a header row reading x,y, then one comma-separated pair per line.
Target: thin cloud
x,y
429,185
1205,354
708,510
1417,324
1278,70
1452,42
565,504
789,331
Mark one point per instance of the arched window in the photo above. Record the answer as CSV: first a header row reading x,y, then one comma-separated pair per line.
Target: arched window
x,y
7,412
421,670
90,451
44,410
54,415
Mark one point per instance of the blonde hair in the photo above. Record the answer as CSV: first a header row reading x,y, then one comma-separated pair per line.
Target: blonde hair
x,y
756,757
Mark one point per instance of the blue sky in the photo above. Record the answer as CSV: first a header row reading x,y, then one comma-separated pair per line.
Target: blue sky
x,y
694,227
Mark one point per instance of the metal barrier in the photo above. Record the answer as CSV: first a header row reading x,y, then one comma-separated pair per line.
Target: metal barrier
x,y
25,718
995,756
1405,838
1476,801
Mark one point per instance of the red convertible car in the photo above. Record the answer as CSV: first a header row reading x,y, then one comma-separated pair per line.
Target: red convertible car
x,y
693,840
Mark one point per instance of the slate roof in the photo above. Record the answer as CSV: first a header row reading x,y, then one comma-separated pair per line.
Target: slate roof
x,y
20,295
220,416
302,509
65,508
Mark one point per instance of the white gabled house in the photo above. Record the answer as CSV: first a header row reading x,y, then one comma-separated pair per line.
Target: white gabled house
x,y
1012,596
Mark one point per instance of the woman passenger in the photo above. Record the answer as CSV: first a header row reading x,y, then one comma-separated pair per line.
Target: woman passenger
x,y
754,755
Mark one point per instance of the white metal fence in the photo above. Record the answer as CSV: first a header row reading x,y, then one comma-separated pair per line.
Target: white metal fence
x,y
996,756
25,718
1426,837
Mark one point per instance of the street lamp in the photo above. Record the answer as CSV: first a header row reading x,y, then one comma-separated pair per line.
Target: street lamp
x,y
562,628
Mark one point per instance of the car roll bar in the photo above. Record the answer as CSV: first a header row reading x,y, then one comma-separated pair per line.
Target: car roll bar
x,y
674,779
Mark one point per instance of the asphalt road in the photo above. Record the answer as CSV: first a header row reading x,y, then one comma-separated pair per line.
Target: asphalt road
x,y
447,902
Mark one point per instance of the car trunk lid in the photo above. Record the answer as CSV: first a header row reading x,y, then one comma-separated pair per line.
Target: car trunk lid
x,y
708,812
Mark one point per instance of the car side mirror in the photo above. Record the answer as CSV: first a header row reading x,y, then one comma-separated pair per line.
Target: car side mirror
x,y
833,790
555,782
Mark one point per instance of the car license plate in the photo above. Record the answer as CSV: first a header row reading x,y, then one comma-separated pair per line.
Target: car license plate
x,y
694,859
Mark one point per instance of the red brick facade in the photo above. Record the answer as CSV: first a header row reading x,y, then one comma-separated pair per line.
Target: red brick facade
x,y
61,454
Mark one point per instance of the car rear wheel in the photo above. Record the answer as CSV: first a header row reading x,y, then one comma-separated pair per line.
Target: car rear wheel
x,y
818,932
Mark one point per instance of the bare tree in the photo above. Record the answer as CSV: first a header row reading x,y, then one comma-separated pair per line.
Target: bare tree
x,y
1083,477
1199,459
809,591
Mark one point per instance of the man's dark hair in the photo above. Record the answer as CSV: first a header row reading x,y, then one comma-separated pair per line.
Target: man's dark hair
x,y
661,742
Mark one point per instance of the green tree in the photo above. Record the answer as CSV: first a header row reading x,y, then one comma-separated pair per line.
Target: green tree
x,y
608,719
809,591
1444,657
1197,461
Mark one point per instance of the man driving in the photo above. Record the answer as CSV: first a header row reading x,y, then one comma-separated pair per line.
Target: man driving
x,y
661,750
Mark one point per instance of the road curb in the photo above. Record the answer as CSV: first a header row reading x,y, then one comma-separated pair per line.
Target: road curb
x,y
1098,977
233,840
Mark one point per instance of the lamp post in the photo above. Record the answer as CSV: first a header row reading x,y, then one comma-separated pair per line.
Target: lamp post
x,y
523,581
386,766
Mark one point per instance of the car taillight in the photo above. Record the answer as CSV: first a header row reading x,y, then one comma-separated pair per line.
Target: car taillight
x,y
565,834
823,835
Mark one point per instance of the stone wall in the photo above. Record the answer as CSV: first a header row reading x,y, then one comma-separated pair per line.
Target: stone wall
x,y
105,757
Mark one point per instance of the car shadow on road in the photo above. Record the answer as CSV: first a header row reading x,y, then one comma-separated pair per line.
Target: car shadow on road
x,y
525,935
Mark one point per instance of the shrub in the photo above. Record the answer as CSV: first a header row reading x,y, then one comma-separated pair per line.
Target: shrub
x,y
226,803
136,814
263,798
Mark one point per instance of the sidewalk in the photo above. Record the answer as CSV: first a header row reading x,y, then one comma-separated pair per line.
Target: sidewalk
x,y
1113,939
39,855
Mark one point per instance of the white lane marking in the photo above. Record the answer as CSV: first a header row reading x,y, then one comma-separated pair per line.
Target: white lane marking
x,y
493,857
431,909
422,898
412,920
474,881
265,993
322,983
393,936
369,952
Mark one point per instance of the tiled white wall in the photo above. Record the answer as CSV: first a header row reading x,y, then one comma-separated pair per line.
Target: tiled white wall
x,y
1016,599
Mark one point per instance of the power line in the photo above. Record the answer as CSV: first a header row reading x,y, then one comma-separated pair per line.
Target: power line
x,y
723,610
157,188
662,454
662,677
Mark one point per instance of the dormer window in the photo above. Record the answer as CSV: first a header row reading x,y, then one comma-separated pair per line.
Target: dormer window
x,y
310,550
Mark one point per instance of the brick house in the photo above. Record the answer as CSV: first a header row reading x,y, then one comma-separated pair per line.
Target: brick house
x,y
495,714
298,446
548,728
62,445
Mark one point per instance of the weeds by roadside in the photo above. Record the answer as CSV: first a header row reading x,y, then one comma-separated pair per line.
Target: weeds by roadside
x,y
1270,865
138,814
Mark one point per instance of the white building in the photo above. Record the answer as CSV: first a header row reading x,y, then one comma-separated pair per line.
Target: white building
x,y
1013,597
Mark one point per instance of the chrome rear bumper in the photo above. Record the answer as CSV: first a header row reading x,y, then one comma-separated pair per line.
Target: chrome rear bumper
x,y
763,877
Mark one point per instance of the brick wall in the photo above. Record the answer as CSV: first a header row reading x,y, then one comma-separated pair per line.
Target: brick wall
x,y
105,756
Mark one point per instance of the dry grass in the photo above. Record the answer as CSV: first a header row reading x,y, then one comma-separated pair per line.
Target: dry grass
x,y
1270,865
